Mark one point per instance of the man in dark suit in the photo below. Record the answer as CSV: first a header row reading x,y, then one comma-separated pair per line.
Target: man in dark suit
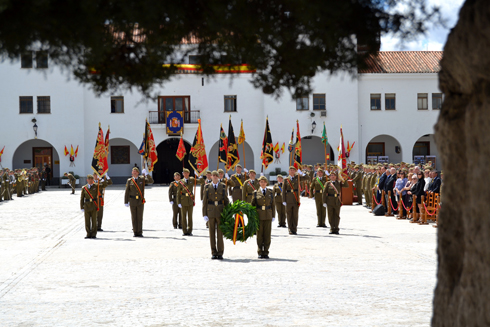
x,y
389,186
435,183
381,184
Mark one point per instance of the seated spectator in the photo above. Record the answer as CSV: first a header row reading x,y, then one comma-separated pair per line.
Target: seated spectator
x,y
435,183
427,179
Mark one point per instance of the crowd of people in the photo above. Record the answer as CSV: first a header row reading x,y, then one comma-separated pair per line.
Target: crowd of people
x,y
22,182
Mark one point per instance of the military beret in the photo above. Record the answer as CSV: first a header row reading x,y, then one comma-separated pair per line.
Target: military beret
x,y
292,167
137,169
279,176
238,166
215,173
252,171
319,170
90,176
176,173
208,172
262,178
185,170
221,171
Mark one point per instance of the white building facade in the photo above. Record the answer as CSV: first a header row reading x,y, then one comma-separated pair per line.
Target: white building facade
x,y
67,113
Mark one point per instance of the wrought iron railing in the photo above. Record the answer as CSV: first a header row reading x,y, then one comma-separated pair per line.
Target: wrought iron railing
x,y
158,117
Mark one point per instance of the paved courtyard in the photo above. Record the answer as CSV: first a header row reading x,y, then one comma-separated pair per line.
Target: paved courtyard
x,y
377,272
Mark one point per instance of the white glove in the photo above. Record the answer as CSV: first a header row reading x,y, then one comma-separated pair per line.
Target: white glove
x,y
83,210
245,170
301,173
200,176
273,219
107,176
180,205
171,202
325,205
145,172
206,219
227,176
326,172
261,174
126,204
284,203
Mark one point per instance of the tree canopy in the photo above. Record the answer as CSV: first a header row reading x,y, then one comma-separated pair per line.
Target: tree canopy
x,y
120,44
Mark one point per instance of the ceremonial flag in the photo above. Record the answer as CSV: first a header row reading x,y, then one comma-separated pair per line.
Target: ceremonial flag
x,y
107,139
325,141
71,151
232,156
181,149
197,156
141,150
267,154
298,151
349,148
223,146
99,159
151,154
76,152
1,152
342,160
276,147
291,144
283,147
241,136
66,151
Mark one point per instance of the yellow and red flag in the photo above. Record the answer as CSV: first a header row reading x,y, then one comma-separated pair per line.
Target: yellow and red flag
x,y
298,151
66,151
342,159
1,152
181,152
197,156
99,159
283,147
241,136
151,155
276,147
71,151
76,152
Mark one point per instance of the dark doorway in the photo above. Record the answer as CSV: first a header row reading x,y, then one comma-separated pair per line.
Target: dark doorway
x,y
168,163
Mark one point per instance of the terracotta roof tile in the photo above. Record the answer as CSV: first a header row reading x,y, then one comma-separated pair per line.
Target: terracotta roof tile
x,y
392,62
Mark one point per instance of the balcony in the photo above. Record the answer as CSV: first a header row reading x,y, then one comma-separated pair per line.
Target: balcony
x,y
159,117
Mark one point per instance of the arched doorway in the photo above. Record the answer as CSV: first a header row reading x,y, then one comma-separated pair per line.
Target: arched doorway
x,y
38,153
249,156
314,151
425,150
168,163
123,156
383,148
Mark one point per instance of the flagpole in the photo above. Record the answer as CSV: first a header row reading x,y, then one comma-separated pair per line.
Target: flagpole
x,y
219,139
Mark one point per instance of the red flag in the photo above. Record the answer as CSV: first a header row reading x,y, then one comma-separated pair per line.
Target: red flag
x,y
181,149
76,152
342,159
151,154
1,152
106,140
197,156
66,151
298,151
99,159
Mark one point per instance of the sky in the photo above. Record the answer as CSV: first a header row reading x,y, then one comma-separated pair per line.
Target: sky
x,y
436,37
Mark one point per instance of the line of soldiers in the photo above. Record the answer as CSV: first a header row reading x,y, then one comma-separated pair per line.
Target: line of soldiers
x,y
21,182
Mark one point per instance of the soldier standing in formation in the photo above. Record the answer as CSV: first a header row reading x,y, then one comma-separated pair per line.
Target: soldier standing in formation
x,y
71,181
215,199
249,187
332,201
186,201
102,183
172,198
317,188
238,181
88,205
134,198
263,200
281,210
357,177
290,200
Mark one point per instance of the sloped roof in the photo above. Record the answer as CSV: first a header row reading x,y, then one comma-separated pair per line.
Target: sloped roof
x,y
392,62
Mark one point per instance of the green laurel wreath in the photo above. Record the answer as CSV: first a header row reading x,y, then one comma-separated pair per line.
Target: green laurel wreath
x,y
227,223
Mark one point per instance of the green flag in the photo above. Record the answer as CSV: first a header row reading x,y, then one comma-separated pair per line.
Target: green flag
x,y
324,135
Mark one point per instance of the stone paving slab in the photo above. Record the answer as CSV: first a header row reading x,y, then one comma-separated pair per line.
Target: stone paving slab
x,y
378,272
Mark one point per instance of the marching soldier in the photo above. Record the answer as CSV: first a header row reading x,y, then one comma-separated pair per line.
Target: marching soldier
x,y
71,181
238,181
332,201
290,199
186,201
281,210
102,183
317,188
172,198
89,206
263,200
215,199
134,198
249,187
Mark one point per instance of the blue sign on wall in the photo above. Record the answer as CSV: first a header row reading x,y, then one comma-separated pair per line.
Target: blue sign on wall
x,y
175,123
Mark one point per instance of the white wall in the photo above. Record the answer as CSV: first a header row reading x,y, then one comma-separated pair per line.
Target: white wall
x,y
123,170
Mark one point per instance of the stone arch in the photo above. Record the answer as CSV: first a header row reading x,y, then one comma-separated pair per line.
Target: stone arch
x,y
384,145
249,156
36,152
168,163
314,150
426,146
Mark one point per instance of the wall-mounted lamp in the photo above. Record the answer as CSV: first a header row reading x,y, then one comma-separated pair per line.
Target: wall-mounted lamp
x,y
313,126
34,127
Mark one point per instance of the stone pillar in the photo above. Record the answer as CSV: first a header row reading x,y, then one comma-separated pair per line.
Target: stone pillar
x,y
462,295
